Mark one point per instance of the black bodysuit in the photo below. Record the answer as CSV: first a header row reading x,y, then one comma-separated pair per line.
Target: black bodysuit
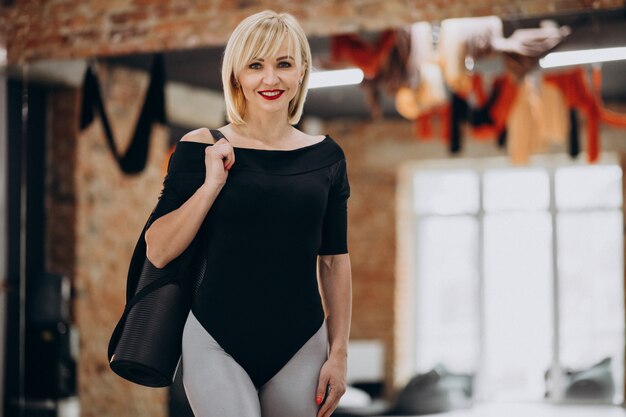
x,y
278,210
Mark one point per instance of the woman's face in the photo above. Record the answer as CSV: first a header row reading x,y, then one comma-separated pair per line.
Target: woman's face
x,y
269,83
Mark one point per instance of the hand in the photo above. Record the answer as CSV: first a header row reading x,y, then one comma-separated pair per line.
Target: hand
x,y
218,159
331,385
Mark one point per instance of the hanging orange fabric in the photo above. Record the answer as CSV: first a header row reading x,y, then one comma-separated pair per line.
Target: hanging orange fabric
x,y
368,56
578,95
423,124
554,117
524,136
610,117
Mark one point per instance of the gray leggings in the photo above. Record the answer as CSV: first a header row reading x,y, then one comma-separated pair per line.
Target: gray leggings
x,y
217,386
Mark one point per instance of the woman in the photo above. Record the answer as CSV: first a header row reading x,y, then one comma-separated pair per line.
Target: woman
x,y
260,340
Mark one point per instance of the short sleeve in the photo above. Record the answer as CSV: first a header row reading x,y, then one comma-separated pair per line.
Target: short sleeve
x,y
177,188
178,185
335,223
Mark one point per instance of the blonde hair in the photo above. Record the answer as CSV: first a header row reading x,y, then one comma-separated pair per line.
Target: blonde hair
x,y
262,34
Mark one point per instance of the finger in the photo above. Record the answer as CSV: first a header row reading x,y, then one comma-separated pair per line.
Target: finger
x,y
225,151
232,160
326,410
321,389
222,152
336,391
331,407
328,402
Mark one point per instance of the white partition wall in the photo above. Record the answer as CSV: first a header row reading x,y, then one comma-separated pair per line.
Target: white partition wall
x,y
520,275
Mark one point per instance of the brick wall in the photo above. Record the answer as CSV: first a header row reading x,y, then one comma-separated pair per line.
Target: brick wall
x,y
37,29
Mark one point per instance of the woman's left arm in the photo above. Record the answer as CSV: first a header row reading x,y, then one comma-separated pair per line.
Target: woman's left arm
x,y
335,276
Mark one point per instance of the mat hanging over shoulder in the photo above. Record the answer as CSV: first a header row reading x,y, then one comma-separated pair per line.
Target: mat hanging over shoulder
x,y
145,346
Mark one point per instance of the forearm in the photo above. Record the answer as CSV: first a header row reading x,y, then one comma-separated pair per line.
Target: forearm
x,y
336,284
172,233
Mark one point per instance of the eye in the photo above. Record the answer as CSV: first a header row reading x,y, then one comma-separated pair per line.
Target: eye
x,y
255,65
287,64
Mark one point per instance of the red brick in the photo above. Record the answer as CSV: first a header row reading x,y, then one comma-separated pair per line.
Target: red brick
x,y
65,16
128,17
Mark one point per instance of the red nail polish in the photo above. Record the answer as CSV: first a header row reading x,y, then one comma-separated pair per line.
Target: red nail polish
x,y
318,400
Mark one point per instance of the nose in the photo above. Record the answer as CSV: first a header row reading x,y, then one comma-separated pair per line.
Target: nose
x,y
270,77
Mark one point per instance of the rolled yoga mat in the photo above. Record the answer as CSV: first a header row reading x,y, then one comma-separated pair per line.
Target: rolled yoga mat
x,y
146,345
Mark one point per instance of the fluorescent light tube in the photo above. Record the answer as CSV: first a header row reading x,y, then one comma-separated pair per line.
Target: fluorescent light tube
x,y
335,78
561,59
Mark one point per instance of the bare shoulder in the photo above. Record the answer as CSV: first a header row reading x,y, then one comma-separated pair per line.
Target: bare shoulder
x,y
315,139
310,139
202,135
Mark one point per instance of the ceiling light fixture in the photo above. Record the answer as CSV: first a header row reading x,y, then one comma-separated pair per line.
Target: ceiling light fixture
x,y
335,78
562,59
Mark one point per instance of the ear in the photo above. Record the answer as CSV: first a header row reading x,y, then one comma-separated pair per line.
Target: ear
x,y
302,73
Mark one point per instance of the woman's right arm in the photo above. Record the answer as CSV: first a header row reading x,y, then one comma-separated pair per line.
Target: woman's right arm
x,y
173,232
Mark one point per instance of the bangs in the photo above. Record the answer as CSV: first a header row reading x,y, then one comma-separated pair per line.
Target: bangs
x,y
266,40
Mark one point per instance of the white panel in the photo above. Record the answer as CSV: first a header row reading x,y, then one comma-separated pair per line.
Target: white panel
x,y
447,293
583,187
590,247
518,304
446,192
516,189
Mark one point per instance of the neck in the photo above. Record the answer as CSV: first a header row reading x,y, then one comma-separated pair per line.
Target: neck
x,y
266,128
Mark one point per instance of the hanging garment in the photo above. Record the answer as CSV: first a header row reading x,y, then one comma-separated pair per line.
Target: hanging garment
x,y
554,115
577,94
524,47
393,74
383,63
430,93
523,133
153,110
368,56
434,122
531,42
489,118
607,116
574,139
465,38
422,52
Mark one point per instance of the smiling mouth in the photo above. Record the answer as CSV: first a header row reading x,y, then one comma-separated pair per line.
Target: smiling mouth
x,y
271,95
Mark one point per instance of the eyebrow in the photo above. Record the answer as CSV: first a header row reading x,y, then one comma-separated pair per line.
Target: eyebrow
x,y
277,59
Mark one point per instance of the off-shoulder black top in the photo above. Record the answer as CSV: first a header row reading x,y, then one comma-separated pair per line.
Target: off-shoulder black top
x,y
278,210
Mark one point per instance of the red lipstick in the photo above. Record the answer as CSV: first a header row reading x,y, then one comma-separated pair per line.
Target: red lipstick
x,y
271,94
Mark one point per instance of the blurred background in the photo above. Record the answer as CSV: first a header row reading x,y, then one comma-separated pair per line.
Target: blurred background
x,y
485,147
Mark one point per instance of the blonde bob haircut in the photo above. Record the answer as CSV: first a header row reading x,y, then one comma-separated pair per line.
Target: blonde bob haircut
x,y
259,35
